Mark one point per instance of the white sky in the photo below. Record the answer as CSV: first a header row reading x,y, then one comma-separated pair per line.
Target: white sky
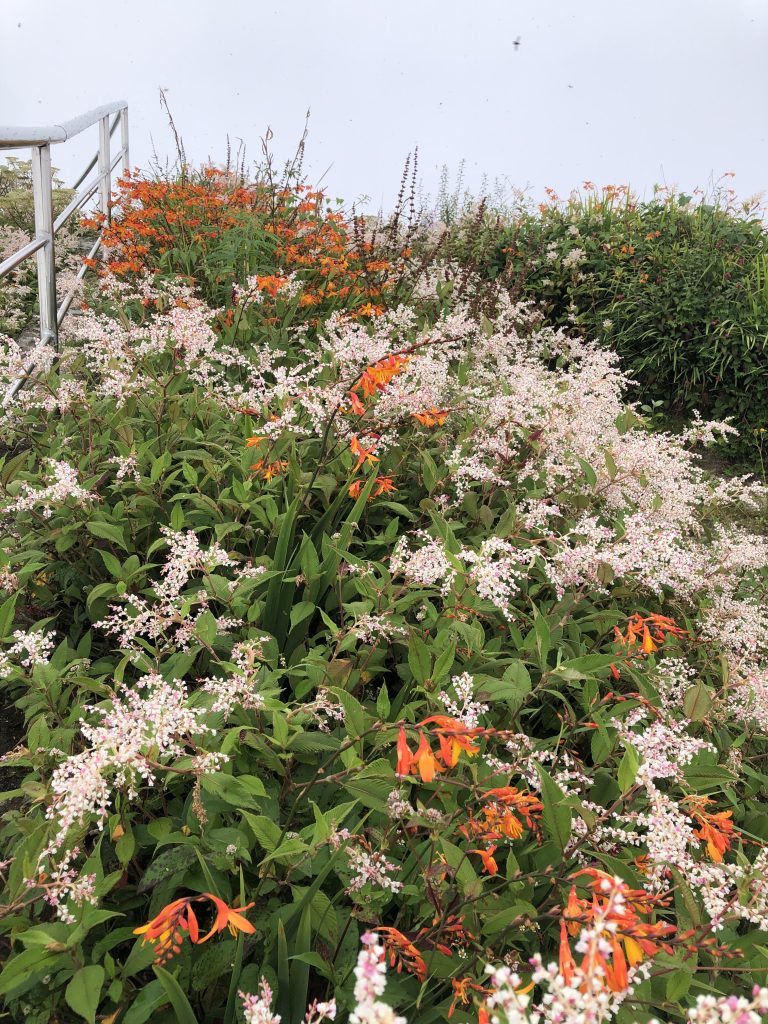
x,y
610,90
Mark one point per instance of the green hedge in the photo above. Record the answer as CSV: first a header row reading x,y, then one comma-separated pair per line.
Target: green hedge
x,y
677,285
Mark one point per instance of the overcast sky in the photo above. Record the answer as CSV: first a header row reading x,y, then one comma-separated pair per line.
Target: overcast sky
x,y
608,90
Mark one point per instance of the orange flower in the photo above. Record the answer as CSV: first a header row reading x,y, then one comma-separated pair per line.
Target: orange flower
x,y
167,929
453,738
715,829
229,917
646,634
268,470
253,441
384,485
375,378
426,762
404,756
357,406
567,963
461,992
403,953
431,417
620,925
363,454
489,862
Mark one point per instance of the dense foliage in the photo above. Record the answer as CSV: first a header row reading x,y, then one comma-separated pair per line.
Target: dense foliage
x,y
676,284
356,619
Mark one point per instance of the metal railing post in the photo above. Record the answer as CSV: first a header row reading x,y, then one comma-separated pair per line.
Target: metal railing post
x,y
42,190
124,138
104,167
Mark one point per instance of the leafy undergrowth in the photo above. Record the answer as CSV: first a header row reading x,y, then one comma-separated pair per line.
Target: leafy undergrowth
x,y
357,621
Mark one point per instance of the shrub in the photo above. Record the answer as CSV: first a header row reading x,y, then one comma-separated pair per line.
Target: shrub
x,y
401,631
674,284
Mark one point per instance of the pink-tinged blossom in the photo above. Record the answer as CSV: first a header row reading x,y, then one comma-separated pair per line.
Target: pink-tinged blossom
x,y
370,983
168,616
240,689
371,868
372,629
496,571
424,566
63,888
257,1009
146,726
465,708
32,648
64,485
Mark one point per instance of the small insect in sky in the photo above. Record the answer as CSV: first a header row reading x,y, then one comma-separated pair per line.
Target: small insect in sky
x,y
516,43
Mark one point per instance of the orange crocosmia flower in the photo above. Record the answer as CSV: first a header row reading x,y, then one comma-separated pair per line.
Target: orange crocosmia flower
x,y
715,829
167,929
425,761
268,470
567,963
253,441
384,485
649,647
645,633
524,803
462,994
363,454
431,417
620,924
489,861
404,756
403,953
229,917
375,378
453,737
354,488
357,406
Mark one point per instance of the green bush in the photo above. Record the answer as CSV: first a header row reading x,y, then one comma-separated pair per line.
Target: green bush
x,y
677,286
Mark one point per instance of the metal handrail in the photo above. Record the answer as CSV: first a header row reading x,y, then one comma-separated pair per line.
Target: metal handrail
x,y
14,137
40,140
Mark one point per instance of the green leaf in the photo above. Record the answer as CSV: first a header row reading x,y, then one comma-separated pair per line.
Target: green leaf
x,y
207,628
237,791
267,831
300,969
83,993
150,998
697,701
106,531
283,974
7,611
502,919
166,864
301,611
382,703
181,1008
628,768
419,659
557,814
113,565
